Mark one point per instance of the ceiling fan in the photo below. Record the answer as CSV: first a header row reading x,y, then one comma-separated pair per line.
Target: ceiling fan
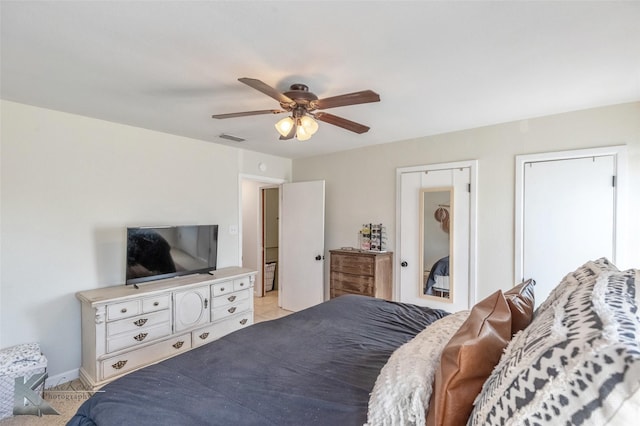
x,y
303,105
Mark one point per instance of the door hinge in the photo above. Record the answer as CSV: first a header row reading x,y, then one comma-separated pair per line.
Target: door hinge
x,y
613,181
469,188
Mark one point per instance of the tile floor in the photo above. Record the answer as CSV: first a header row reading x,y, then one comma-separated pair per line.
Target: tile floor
x,y
266,308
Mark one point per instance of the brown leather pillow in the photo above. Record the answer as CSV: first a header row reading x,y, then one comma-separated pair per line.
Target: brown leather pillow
x,y
522,301
468,359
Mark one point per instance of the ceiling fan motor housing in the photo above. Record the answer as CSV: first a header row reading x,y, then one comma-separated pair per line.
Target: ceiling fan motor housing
x,y
302,96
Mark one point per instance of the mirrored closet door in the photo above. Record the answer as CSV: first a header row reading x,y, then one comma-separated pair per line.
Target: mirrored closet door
x,y
435,234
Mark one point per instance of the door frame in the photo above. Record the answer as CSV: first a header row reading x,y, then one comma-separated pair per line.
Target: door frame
x,y
619,153
262,232
473,219
266,182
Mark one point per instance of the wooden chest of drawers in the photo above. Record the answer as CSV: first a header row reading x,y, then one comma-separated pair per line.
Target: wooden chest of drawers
x,y
361,272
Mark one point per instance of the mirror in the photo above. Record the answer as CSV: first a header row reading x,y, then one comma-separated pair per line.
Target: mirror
x,y
436,228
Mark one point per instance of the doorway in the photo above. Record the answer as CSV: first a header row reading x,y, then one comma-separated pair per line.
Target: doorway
x,y
252,249
270,197
300,250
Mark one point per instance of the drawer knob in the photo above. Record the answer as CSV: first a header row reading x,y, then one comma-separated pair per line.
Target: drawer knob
x,y
232,309
231,298
241,284
140,337
204,336
123,310
118,365
141,322
178,345
156,303
243,321
221,288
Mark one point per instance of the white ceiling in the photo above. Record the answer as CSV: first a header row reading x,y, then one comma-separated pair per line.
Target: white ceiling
x,y
438,66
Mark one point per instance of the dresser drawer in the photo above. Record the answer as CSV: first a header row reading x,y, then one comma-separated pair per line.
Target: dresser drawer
x,y
219,329
203,336
230,298
353,283
241,283
141,322
138,337
157,303
359,265
144,356
123,310
335,292
220,289
234,323
228,310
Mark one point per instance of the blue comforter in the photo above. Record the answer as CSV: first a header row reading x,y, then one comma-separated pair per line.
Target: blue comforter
x,y
314,367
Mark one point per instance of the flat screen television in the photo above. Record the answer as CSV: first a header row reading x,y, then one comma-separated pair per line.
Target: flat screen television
x,y
155,253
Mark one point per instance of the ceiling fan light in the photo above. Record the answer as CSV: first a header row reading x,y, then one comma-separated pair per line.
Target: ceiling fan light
x,y
309,125
302,134
285,125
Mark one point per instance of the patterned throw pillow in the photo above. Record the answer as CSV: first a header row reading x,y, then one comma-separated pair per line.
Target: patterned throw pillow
x,y
403,387
577,362
568,284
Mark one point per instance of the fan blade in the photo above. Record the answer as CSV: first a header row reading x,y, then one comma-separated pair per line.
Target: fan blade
x,y
341,122
291,133
362,97
267,90
246,113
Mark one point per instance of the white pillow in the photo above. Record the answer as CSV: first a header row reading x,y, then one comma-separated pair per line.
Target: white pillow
x,y
403,387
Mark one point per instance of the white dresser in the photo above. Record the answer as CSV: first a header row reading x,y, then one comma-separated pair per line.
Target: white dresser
x,y
124,328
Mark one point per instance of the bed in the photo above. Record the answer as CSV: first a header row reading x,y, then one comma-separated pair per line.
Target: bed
x,y
314,367
438,279
357,360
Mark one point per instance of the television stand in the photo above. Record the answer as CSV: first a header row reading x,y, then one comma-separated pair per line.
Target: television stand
x,y
126,328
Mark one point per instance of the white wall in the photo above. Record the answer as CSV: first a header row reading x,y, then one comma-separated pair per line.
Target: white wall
x,y
70,186
360,184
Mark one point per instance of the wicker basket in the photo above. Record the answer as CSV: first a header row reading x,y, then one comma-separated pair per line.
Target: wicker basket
x,y
269,275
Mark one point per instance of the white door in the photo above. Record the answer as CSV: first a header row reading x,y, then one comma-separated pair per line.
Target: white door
x,y
410,275
409,237
191,308
568,217
301,265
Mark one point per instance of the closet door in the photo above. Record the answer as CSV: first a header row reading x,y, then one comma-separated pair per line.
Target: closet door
x,y
409,237
568,217
411,278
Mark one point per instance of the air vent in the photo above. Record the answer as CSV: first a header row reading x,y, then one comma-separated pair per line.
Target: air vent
x,y
231,138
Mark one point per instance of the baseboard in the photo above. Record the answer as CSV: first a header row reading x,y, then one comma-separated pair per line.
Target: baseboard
x,y
58,379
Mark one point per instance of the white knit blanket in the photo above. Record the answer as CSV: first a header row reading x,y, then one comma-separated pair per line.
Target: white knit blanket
x,y
403,387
